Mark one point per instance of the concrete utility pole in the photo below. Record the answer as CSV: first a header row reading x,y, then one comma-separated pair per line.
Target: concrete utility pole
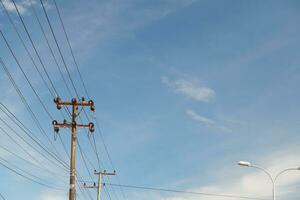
x,y
99,186
73,126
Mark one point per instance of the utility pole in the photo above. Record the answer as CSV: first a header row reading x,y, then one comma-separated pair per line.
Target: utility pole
x,y
99,186
73,126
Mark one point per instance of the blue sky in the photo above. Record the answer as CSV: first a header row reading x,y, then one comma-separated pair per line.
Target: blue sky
x,y
183,90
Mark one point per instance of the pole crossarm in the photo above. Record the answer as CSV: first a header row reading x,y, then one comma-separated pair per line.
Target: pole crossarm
x,y
98,186
73,126
65,124
59,103
105,173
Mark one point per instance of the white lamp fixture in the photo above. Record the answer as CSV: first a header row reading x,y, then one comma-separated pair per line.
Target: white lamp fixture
x,y
244,163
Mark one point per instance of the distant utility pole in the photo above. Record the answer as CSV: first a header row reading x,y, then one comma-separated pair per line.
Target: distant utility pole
x,y
73,126
99,186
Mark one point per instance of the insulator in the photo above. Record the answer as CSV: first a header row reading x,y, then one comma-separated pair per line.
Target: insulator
x,y
58,106
74,100
56,100
91,102
56,129
94,184
82,99
54,122
91,127
92,108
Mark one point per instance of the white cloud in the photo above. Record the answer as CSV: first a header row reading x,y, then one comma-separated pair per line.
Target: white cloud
x,y
190,89
11,8
256,183
48,196
206,121
200,118
252,183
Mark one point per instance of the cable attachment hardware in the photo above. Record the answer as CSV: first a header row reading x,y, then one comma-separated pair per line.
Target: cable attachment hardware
x,y
91,127
56,129
57,101
92,106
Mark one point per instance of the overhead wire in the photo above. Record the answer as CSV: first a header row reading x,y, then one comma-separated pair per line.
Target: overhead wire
x,y
49,46
26,161
24,101
33,45
187,192
35,49
2,197
22,139
59,49
25,47
35,13
27,177
85,89
70,48
27,131
28,173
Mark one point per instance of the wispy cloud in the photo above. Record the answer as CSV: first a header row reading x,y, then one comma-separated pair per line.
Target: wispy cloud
x,y
190,89
199,117
206,121
51,196
99,21
11,8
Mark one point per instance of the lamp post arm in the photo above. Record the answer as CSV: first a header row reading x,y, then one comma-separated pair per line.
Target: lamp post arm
x,y
266,172
283,171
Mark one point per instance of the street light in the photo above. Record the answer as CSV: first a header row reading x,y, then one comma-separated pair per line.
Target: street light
x,y
273,179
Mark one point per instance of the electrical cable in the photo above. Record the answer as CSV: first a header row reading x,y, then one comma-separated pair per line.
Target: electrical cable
x,y
2,197
25,47
186,192
24,129
24,101
26,177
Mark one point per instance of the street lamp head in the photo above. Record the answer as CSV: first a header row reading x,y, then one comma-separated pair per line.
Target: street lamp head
x,y
244,164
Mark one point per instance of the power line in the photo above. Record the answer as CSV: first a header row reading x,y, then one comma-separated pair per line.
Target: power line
x,y
25,172
26,161
27,177
25,47
86,91
2,197
18,144
33,45
71,50
35,49
25,130
23,72
185,192
24,101
49,46
59,50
